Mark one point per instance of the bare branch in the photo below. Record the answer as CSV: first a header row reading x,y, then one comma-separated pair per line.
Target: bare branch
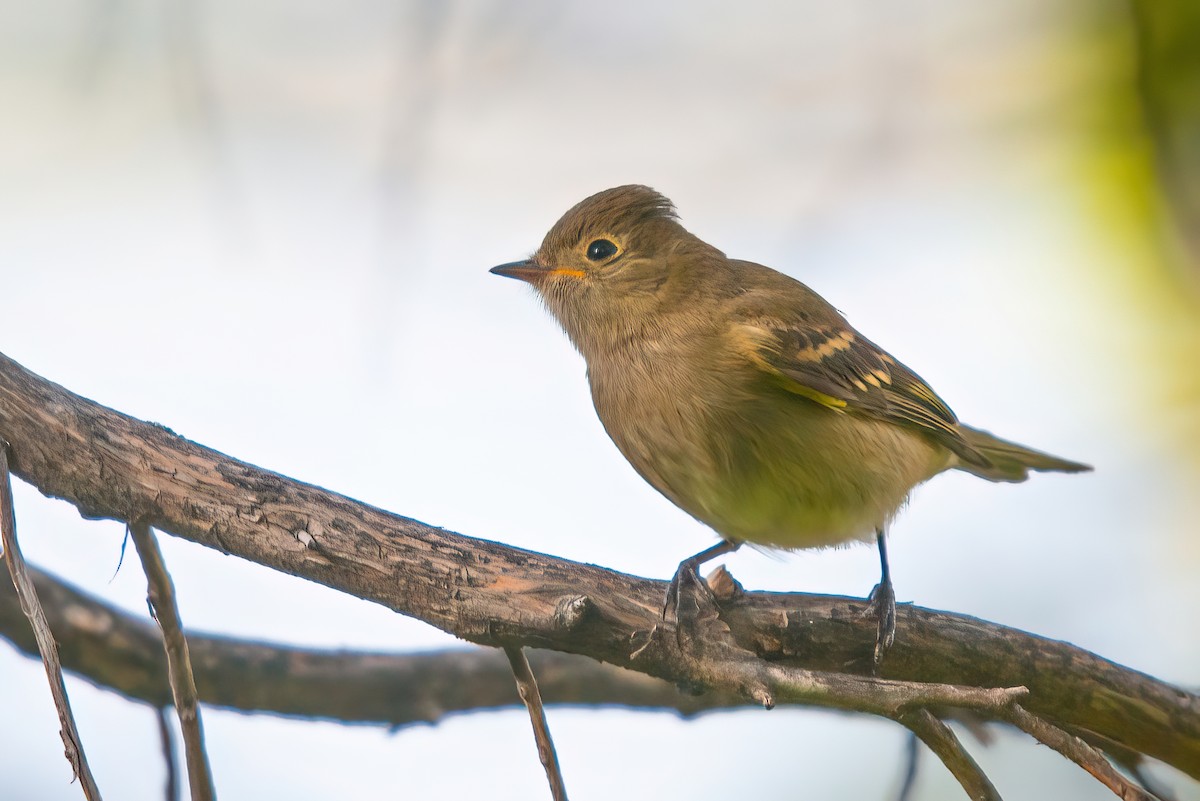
x,y
179,666
123,652
1078,752
717,660
785,647
942,741
41,630
528,690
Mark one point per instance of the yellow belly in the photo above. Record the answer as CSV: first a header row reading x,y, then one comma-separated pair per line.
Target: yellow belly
x,y
792,476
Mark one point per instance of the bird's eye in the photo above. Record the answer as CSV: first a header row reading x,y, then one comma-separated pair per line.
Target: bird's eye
x,y
600,249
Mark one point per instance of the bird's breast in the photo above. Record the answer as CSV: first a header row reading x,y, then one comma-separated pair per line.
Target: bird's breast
x,y
757,465
660,407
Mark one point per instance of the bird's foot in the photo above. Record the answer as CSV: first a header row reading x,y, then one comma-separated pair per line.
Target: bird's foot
x,y
692,637
690,608
881,605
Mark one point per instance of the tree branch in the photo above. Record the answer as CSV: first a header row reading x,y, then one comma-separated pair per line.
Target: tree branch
x,y
527,688
112,466
122,652
941,740
32,607
1079,752
161,591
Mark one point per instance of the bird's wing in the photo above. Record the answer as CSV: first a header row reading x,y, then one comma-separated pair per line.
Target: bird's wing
x,y
830,363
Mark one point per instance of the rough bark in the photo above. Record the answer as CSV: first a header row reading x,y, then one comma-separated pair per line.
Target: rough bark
x,y
112,466
122,652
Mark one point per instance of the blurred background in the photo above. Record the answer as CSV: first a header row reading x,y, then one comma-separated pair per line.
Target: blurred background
x,y
268,225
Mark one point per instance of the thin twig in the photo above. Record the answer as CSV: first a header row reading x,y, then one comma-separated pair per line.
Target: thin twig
x,y
528,689
1076,750
167,737
108,464
943,742
41,629
717,661
700,649
179,665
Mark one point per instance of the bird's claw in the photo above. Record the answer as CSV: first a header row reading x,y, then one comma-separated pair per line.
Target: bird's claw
x,y
881,605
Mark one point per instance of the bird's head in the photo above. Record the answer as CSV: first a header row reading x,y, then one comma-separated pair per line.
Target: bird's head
x,y
613,264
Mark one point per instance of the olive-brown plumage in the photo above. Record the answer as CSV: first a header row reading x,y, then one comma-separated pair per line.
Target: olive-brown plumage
x,y
741,394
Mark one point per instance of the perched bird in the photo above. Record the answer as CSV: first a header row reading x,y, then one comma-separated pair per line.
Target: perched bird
x,y
742,395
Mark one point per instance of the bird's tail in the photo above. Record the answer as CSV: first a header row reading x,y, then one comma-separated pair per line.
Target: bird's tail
x,y
1009,461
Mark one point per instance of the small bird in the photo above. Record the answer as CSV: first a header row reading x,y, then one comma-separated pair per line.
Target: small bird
x,y
742,395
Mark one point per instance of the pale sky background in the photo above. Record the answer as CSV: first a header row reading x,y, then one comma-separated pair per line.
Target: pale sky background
x,y
268,226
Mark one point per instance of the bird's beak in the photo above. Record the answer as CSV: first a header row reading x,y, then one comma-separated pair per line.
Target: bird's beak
x,y
532,272
528,270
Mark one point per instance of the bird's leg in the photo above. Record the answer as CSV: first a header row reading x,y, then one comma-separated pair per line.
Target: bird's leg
x,y
692,637
691,622
687,592
882,603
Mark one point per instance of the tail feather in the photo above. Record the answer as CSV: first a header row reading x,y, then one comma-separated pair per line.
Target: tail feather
x,y
1008,461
